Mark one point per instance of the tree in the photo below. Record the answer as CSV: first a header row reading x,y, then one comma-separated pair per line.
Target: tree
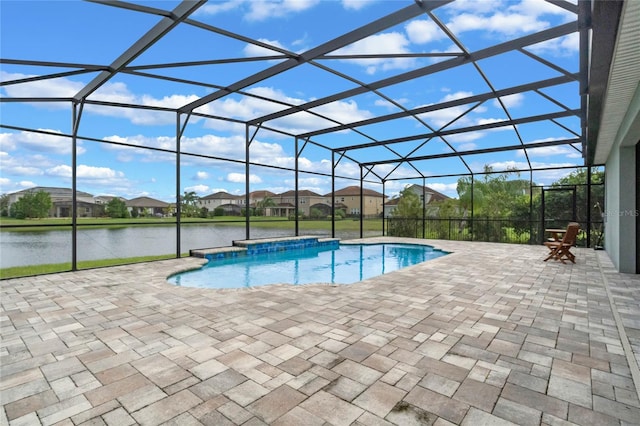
x,y
169,210
409,205
262,205
404,219
32,205
4,205
116,209
316,213
188,204
558,205
578,180
496,195
447,209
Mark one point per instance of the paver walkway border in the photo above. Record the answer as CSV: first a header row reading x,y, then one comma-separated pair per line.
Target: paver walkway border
x,y
487,335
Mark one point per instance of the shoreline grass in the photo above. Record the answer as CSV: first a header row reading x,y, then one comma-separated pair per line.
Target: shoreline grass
x,y
60,224
30,270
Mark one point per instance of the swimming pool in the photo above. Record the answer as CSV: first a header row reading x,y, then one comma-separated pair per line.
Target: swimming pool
x,y
337,264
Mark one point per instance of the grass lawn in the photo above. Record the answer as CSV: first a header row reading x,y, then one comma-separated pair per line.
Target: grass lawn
x,y
24,271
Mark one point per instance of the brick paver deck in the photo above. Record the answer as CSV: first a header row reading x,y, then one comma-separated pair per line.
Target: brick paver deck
x,y
488,335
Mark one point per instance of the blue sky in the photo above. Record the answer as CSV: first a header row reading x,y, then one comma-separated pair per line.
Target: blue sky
x,y
93,34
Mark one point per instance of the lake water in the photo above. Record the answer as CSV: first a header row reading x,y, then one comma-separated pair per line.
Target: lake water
x,y
43,247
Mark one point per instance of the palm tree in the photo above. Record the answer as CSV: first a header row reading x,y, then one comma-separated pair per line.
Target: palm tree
x,y
262,205
188,203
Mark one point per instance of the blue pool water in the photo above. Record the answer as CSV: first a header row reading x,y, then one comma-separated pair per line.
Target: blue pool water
x,y
337,264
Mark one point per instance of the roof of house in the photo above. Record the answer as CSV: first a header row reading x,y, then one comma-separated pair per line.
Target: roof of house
x,y
221,195
262,193
105,199
230,206
301,193
54,191
355,191
145,202
436,196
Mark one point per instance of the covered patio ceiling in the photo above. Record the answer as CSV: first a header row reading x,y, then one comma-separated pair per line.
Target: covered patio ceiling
x,y
409,89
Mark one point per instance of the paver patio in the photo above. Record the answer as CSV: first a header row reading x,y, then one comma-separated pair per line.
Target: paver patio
x,y
488,335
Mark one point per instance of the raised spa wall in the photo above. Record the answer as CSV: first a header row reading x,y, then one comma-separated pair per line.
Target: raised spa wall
x,y
266,245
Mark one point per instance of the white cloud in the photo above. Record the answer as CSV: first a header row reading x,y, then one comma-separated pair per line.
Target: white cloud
x,y
214,8
258,10
519,165
40,142
253,50
490,15
6,186
482,121
26,184
54,88
198,189
465,138
535,8
242,108
440,117
510,101
386,104
466,146
214,190
85,172
9,186
110,92
456,95
422,31
262,10
561,46
549,151
446,188
29,165
474,6
501,23
356,4
232,147
245,108
387,43
201,176
239,178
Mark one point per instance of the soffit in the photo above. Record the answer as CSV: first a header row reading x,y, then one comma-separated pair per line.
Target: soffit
x,y
623,81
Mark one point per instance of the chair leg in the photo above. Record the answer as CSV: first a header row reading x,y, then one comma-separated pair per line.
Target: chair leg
x,y
553,254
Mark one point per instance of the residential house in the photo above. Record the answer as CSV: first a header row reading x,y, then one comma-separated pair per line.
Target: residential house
x,y
62,201
372,204
307,200
147,206
428,196
257,197
230,204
